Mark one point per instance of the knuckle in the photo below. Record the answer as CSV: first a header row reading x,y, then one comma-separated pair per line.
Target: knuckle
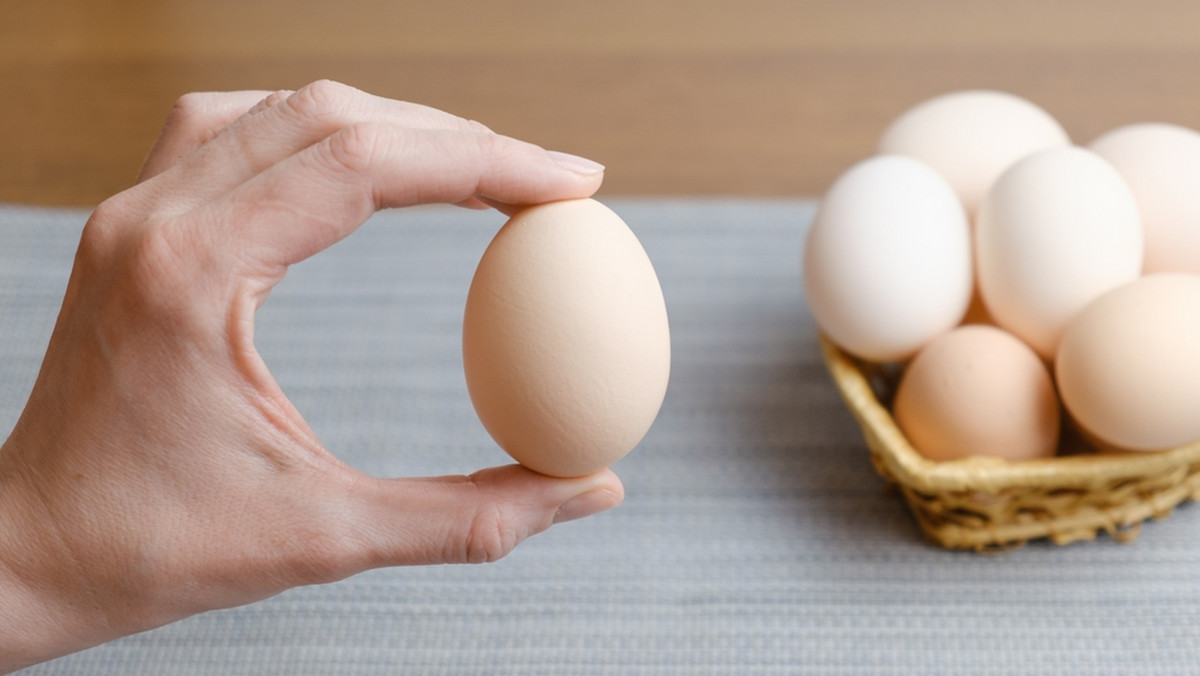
x,y
157,271
277,96
109,228
271,100
323,99
357,147
104,226
144,274
492,145
197,118
497,150
489,536
479,127
197,115
161,266
188,108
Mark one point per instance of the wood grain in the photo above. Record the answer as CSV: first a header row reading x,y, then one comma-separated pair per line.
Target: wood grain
x,y
702,97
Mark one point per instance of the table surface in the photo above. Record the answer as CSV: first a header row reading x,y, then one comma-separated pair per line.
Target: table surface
x,y
676,97
755,538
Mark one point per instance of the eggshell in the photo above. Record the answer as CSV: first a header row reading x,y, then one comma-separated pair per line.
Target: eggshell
x,y
1056,230
1161,165
887,261
978,390
970,137
1128,368
566,346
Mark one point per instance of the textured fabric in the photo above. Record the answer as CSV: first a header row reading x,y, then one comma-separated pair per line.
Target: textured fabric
x,y
754,539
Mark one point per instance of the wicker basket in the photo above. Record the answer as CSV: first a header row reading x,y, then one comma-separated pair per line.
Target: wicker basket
x,y
985,503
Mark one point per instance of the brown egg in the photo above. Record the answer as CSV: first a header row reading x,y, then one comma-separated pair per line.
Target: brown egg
x,y
566,346
1129,364
978,390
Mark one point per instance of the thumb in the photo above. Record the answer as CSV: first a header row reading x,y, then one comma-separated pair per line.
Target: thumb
x,y
476,518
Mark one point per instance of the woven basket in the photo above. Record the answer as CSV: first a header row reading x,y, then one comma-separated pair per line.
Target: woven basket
x,y
984,503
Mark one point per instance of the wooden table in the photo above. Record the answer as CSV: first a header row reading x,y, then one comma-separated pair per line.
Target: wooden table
x,y
677,97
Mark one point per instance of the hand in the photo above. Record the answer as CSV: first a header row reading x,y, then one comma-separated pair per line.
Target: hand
x,y
158,470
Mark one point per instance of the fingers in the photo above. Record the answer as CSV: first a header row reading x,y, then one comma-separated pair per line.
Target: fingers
x,y
195,120
472,519
318,196
285,125
296,171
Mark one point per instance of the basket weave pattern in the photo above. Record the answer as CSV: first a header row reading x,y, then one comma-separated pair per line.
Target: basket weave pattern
x,y
983,503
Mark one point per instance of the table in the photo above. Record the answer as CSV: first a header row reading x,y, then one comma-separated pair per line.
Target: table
x,y
754,538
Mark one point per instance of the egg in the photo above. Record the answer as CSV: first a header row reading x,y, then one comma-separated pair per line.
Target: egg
x,y
566,344
1161,165
887,260
970,137
1128,368
1056,230
978,390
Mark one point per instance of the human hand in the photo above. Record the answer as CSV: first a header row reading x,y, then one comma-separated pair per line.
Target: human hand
x,y
158,470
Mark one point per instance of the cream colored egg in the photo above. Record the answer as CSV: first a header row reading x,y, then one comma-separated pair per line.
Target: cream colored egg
x,y
1056,230
1128,368
566,346
1161,165
970,137
978,390
887,261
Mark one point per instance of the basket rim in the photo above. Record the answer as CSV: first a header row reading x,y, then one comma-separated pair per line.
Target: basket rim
x,y
984,474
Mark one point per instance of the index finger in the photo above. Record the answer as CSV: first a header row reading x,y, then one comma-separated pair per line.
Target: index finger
x,y
314,198
297,120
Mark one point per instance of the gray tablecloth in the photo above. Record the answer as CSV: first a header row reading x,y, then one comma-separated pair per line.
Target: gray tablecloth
x,y
754,539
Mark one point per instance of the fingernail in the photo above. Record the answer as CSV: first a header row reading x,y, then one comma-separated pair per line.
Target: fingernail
x,y
586,504
575,163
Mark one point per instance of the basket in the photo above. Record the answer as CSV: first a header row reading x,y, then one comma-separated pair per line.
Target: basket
x,y
984,503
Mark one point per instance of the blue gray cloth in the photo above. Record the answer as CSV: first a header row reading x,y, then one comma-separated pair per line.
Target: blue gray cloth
x,y
754,539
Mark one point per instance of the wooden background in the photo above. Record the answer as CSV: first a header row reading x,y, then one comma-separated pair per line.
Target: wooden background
x,y
676,97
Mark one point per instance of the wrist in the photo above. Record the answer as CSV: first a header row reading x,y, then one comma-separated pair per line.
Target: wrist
x,y
45,613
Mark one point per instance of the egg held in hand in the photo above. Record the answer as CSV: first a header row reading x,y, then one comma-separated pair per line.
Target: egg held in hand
x,y
566,346
978,390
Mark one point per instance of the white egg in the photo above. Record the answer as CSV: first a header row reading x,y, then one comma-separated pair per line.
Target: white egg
x,y
970,137
1057,229
1161,164
887,262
